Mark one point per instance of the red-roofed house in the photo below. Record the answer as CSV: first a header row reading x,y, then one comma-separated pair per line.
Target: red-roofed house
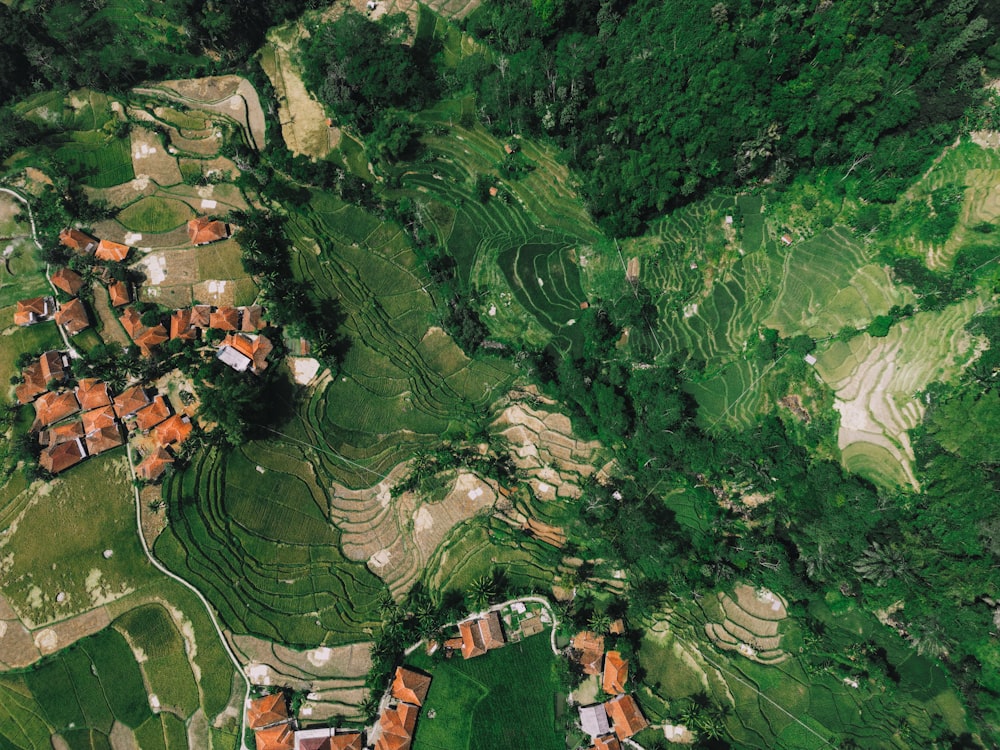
x,y
280,737
267,711
481,635
61,434
252,318
410,686
347,741
203,230
98,419
151,415
147,338
74,239
104,439
51,407
173,431
607,742
54,365
615,673
225,319
113,251
73,317
327,738
180,325
118,291
625,715
92,393
396,725
68,280
130,401
131,321
34,383
62,456
201,316
590,651
153,466
34,310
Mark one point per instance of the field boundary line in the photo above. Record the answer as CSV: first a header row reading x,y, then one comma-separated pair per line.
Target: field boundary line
x,y
211,613
774,703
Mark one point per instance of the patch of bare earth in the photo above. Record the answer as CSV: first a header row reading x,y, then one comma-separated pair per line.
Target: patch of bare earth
x,y
397,536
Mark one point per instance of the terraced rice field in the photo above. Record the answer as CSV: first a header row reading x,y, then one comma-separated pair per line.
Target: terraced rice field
x,y
402,383
271,571
877,382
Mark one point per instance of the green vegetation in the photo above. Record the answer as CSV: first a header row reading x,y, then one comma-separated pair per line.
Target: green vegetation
x,y
156,215
507,698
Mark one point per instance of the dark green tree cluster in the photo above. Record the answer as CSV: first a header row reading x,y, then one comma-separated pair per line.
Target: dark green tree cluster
x,y
656,103
361,70
291,304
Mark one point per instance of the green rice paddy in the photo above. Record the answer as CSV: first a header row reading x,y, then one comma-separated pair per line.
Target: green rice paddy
x,y
504,699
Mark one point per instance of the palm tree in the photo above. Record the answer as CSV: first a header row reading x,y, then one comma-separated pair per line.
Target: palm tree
x,y
881,563
599,622
482,591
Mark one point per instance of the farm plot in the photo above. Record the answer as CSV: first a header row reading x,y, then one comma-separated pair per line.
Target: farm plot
x,y
400,382
397,536
105,694
95,158
828,282
507,698
299,591
877,382
155,214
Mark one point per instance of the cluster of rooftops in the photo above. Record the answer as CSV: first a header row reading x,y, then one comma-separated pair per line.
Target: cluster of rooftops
x,y
616,719
275,729
86,420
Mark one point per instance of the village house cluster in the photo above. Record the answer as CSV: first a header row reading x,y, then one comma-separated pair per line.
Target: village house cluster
x,y
619,718
87,420
75,421
275,729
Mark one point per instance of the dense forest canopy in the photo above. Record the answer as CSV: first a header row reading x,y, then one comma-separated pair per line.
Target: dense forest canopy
x,y
657,102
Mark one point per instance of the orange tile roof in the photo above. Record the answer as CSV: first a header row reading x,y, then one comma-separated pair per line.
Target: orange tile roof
x,y
74,239
73,316
607,742
280,737
262,348
33,385
68,280
615,673
252,318
98,419
53,365
131,321
410,686
626,716
225,319
591,648
267,710
32,310
314,739
203,230
51,407
472,639
347,741
104,439
154,465
92,393
62,456
617,627
61,434
150,337
180,325
130,401
176,429
397,724
113,251
151,415
119,293
453,643
201,316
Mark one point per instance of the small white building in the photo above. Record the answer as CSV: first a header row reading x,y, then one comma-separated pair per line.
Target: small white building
x,y
237,360
594,720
